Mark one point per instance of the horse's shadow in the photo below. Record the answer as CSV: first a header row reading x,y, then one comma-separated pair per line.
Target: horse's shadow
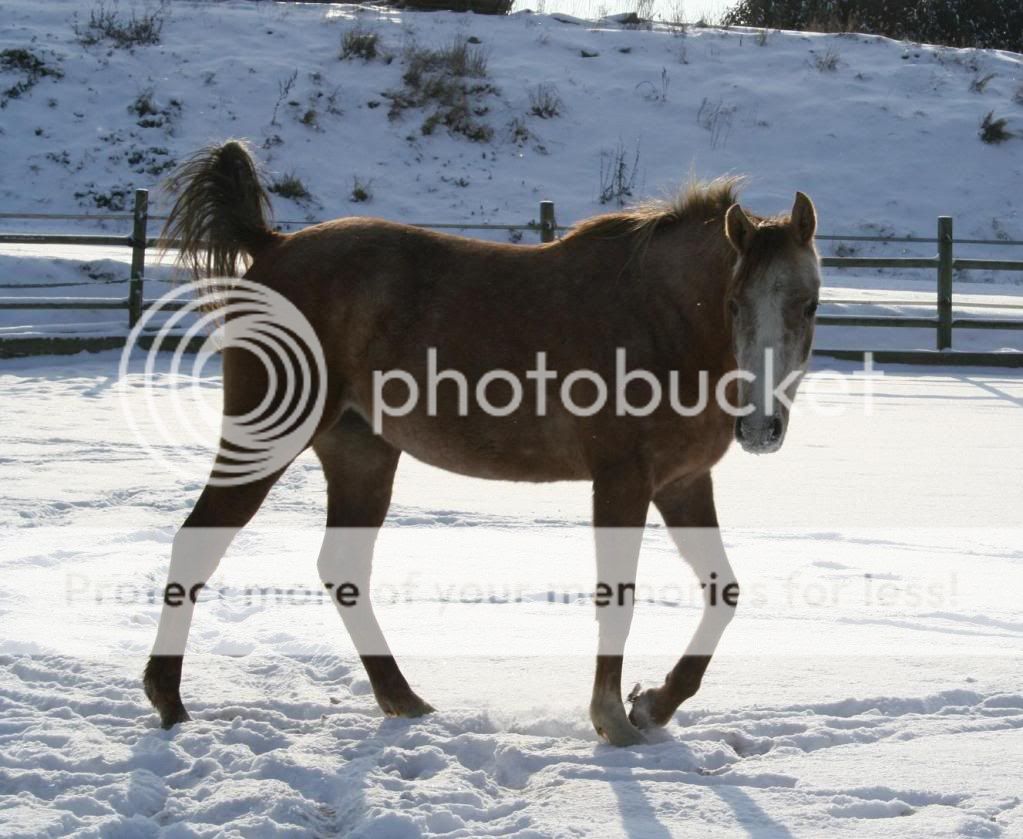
x,y
749,814
639,816
640,819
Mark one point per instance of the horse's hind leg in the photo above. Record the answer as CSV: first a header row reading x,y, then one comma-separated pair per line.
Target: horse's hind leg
x,y
688,511
237,486
219,514
359,467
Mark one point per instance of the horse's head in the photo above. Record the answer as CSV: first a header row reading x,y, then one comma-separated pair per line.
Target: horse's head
x,y
771,305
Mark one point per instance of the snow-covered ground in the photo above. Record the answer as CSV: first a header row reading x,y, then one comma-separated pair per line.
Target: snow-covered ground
x,y
870,684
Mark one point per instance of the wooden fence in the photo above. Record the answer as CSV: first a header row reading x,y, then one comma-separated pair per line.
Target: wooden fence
x,y
944,263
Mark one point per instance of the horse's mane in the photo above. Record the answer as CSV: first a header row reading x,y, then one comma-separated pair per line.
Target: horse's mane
x,y
698,201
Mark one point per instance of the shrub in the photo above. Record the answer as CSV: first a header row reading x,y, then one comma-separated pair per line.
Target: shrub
x,y
154,160
979,83
31,65
28,62
359,43
518,132
617,175
716,117
994,130
283,91
442,80
290,186
107,25
144,105
544,101
152,115
360,190
827,61
114,199
460,59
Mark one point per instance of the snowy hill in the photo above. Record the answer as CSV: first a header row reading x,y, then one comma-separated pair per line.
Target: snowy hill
x,y
883,135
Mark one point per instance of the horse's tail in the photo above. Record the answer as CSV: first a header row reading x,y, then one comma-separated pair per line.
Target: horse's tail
x,y
221,212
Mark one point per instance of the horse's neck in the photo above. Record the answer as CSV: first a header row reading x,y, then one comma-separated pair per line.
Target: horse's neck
x,y
694,269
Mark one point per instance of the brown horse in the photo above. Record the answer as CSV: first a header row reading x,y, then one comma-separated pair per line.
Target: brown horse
x,y
690,292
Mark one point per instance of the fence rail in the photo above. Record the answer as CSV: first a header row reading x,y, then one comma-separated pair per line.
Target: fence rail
x,y
944,263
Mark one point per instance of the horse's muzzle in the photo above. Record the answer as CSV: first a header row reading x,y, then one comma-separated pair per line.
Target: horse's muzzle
x,y
760,435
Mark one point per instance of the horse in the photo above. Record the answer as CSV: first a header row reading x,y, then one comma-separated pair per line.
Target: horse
x,y
696,290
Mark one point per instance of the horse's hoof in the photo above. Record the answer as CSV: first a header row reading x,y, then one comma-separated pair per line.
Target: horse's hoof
x,y
408,706
172,716
613,726
642,714
161,682
622,735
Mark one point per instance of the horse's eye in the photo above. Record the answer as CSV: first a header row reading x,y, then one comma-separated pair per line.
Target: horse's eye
x,y
811,309
733,307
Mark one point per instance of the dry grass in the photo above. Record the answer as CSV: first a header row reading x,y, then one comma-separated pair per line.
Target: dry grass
x,y
618,175
31,66
361,191
106,24
827,61
290,186
544,101
449,82
993,130
359,42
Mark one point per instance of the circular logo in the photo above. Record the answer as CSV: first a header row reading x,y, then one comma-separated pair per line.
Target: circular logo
x,y
284,385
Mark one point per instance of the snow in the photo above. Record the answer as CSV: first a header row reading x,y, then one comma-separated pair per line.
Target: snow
x,y
784,122
709,103
870,684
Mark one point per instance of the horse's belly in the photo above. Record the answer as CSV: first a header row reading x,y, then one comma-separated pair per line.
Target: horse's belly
x,y
509,454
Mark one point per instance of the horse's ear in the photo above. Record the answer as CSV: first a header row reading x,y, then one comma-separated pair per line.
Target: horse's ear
x,y
804,219
738,228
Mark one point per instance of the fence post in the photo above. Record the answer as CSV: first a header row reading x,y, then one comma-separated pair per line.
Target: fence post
x,y
945,262
138,255
547,223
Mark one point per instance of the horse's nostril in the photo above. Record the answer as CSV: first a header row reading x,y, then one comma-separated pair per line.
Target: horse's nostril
x,y
776,428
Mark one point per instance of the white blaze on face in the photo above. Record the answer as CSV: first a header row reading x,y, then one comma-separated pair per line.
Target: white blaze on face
x,y
772,317
772,353
759,333
771,341
767,351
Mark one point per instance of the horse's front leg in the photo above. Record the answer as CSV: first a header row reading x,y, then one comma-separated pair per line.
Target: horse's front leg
x,y
621,498
688,510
